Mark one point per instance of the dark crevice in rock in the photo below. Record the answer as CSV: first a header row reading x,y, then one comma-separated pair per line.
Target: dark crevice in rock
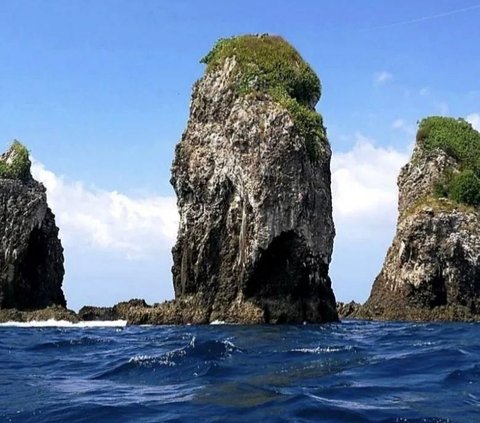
x,y
281,269
35,289
30,292
429,294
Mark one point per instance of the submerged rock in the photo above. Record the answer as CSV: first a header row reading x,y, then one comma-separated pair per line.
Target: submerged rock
x,y
252,178
31,254
432,269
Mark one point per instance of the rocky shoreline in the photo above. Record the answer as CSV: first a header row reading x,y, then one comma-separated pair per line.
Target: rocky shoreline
x,y
451,313
138,312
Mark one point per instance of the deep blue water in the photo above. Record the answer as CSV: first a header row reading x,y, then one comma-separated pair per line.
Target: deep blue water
x,y
349,372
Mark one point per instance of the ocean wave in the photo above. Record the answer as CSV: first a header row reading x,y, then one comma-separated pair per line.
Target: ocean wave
x,y
470,375
242,373
195,359
84,341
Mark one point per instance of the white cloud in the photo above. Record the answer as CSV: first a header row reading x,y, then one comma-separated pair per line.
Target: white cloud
x,y
137,228
364,187
381,78
474,119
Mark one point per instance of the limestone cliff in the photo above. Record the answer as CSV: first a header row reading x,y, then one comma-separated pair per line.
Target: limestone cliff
x,y
31,255
432,269
252,178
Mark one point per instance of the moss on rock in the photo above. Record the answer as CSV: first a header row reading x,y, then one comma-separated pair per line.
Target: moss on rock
x,y
268,64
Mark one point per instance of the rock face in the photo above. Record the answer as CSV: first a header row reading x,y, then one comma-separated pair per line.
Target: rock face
x,y
31,255
432,269
252,177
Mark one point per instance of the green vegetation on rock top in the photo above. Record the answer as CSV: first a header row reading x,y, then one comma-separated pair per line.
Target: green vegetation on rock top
x,y
454,136
458,139
268,64
15,164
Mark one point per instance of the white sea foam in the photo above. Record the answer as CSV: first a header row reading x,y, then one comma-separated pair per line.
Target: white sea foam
x,y
319,350
217,322
141,358
51,323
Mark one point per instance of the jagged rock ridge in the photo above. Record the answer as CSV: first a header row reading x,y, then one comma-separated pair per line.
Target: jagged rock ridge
x,y
252,177
31,255
432,269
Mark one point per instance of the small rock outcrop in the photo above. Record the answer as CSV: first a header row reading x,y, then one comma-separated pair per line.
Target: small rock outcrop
x,y
31,254
252,178
432,269
348,310
49,313
119,311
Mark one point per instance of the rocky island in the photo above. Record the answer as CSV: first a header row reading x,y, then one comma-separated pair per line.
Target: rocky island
x,y
31,254
432,269
252,178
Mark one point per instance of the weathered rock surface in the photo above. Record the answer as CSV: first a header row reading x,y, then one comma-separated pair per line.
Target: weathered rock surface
x,y
31,254
432,269
253,186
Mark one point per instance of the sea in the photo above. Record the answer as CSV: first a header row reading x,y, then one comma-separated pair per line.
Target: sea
x,y
354,371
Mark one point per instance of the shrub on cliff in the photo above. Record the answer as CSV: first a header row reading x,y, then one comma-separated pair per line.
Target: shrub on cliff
x,y
270,65
15,164
460,140
465,188
454,136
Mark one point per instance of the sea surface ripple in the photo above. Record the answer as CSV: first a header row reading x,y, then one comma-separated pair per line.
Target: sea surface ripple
x,y
353,371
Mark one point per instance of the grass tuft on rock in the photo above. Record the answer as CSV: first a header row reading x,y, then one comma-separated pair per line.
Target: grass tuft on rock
x,y
268,64
15,163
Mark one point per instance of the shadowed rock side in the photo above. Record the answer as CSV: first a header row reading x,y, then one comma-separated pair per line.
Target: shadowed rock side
x,y
432,269
252,177
31,256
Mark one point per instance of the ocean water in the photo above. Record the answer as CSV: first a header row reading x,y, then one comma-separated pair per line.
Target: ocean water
x,y
354,371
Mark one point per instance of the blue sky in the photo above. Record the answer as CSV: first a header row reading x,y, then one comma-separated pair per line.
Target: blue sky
x,y
99,92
